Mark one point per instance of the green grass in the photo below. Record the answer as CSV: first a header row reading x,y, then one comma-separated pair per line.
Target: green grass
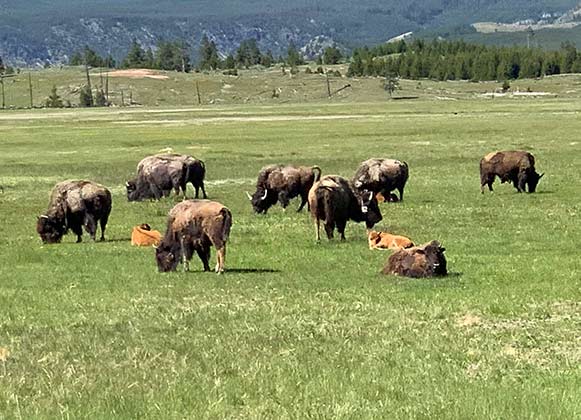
x,y
296,329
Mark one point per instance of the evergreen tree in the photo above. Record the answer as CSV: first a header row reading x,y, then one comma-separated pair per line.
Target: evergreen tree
x,y
54,100
149,61
248,53
267,59
135,57
86,97
293,56
332,55
229,62
209,59
390,84
100,99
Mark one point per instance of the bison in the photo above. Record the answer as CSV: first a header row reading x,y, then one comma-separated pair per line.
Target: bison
x,y
158,175
335,200
515,166
427,260
282,183
74,204
382,176
195,171
385,240
194,225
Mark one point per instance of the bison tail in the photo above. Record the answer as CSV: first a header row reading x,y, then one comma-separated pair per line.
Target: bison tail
x,y
317,172
226,217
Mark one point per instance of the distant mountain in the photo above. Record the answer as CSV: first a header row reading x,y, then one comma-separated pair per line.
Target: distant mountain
x,y
48,31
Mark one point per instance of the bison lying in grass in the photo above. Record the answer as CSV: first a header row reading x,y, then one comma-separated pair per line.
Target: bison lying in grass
x,y
516,166
74,204
194,225
427,260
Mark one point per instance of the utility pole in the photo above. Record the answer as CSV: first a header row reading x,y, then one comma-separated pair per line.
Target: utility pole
x,y
30,89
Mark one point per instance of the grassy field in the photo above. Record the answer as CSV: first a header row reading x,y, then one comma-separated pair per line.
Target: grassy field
x,y
297,329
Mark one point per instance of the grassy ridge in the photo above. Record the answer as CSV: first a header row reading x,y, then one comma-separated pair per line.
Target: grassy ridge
x,y
297,329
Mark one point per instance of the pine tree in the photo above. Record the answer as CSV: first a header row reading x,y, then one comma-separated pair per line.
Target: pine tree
x,y
267,59
54,100
293,56
332,55
86,97
135,57
390,84
209,59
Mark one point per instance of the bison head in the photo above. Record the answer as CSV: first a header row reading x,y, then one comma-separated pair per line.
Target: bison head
x,y
50,229
167,257
131,187
435,259
533,180
369,208
262,200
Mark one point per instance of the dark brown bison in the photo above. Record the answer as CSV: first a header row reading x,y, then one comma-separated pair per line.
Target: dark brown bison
x,y
515,166
195,171
335,201
382,176
72,205
156,177
427,260
282,183
194,225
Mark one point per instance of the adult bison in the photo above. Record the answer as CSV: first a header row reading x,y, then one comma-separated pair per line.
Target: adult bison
x,y
195,171
382,176
282,183
334,200
72,205
516,166
194,225
427,260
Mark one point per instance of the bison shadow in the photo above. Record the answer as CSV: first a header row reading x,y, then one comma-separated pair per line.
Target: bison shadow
x,y
251,270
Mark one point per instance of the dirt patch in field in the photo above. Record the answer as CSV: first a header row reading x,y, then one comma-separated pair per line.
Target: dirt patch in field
x,y
138,74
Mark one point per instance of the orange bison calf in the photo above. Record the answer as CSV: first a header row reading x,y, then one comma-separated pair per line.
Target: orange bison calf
x,y
384,240
194,225
427,260
142,235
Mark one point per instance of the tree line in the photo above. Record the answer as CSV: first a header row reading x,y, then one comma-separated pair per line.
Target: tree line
x,y
458,60
176,55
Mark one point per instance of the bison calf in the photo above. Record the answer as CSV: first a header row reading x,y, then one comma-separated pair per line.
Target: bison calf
x,y
427,260
516,166
194,225
74,204
282,183
334,200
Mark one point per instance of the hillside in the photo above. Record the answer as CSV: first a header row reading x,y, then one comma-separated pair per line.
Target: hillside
x,y
51,30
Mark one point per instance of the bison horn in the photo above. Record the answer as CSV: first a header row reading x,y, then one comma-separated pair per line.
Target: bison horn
x,y
358,184
43,216
541,175
370,195
127,184
265,194
249,196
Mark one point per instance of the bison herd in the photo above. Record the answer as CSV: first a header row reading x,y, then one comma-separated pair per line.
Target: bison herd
x,y
197,225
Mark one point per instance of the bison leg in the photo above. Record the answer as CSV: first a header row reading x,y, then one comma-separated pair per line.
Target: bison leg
x,y
400,194
91,226
522,181
318,229
197,187
204,254
341,228
329,227
103,223
220,259
304,201
486,180
283,199
187,250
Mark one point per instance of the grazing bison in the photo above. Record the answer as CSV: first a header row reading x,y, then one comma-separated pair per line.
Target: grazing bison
x,y
195,171
194,225
516,166
156,177
74,204
427,260
282,183
382,176
334,200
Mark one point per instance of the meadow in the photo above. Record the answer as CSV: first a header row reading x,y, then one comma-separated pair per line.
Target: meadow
x,y
295,328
